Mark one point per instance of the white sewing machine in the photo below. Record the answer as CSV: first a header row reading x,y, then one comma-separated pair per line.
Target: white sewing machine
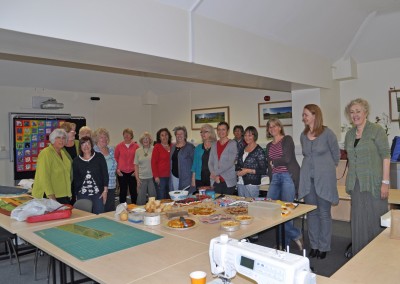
x,y
262,264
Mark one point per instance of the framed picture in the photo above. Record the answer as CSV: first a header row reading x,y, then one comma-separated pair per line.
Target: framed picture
x,y
281,110
211,116
394,104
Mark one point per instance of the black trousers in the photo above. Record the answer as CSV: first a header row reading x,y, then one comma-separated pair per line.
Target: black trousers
x,y
127,181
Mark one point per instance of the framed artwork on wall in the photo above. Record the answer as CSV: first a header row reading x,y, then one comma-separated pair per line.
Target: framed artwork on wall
x,y
280,109
211,116
394,104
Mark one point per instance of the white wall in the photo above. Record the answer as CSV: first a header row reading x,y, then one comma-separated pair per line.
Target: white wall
x,y
113,112
175,109
373,83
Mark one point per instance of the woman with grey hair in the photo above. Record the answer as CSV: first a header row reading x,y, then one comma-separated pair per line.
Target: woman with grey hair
x,y
143,173
182,153
101,138
53,170
367,179
200,171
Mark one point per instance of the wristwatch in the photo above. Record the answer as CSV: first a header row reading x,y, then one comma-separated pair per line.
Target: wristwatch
x,y
385,181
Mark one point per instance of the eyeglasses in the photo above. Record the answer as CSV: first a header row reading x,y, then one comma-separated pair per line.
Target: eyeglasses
x,y
202,132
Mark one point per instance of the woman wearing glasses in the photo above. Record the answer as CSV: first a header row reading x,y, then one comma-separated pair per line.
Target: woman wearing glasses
x,y
200,170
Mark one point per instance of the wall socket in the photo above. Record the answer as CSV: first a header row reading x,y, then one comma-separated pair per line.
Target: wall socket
x,y
2,148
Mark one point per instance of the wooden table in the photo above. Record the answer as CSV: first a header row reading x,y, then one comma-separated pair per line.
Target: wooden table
x,y
15,226
341,212
378,262
171,258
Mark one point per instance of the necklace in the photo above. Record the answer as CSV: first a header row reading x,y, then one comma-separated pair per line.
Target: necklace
x,y
146,153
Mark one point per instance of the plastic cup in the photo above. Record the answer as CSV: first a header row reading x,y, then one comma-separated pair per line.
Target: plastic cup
x,y
198,277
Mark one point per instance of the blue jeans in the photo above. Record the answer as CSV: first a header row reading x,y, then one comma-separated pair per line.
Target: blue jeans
x,y
163,188
282,188
248,190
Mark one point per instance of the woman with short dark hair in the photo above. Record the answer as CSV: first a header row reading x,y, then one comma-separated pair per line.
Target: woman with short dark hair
x,y
160,162
90,175
251,165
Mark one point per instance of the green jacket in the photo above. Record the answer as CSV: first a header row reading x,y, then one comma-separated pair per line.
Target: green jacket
x,y
53,174
366,159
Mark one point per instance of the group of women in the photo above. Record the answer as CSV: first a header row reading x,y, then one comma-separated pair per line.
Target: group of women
x,y
89,168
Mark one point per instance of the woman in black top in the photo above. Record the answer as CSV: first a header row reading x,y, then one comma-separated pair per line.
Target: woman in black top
x,y
90,175
251,165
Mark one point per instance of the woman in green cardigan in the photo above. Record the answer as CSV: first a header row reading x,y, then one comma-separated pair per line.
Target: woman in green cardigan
x,y
368,177
53,170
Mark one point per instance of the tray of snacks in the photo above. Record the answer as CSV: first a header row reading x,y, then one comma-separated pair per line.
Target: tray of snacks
x,y
230,226
201,211
178,224
191,200
156,206
236,210
244,219
215,218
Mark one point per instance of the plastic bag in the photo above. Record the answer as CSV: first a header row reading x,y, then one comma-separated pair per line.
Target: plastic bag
x,y
34,207
120,208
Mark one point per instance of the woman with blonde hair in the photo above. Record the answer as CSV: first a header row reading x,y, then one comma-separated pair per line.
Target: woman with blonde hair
x,y
143,173
200,171
318,178
85,131
368,179
101,138
124,155
283,172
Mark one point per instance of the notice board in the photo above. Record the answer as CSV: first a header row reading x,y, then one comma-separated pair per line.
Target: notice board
x,y
29,134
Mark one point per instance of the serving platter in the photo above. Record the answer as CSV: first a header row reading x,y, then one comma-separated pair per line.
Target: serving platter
x,y
191,223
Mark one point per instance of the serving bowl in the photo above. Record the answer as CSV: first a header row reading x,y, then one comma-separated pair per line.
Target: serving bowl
x,y
230,226
178,194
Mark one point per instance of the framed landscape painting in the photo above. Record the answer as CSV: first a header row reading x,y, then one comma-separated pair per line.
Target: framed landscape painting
x,y
211,116
281,110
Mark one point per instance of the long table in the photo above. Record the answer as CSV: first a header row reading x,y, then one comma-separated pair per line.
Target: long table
x,y
342,210
172,257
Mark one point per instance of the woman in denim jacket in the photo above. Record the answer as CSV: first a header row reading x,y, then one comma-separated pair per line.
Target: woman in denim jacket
x,y
251,165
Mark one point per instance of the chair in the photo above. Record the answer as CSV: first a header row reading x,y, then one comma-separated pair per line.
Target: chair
x,y
84,205
7,238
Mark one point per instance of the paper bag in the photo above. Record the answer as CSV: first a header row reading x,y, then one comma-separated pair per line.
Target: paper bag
x,y
395,225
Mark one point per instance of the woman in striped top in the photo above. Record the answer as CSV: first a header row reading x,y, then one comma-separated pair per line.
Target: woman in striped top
x,y
283,171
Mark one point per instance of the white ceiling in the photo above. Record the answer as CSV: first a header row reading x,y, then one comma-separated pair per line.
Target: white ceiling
x,y
366,30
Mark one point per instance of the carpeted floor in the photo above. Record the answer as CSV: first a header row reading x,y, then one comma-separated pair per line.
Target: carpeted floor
x,y
335,259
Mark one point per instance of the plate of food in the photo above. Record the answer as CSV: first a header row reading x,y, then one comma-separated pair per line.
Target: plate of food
x,y
244,219
236,210
178,224
201,211
291,205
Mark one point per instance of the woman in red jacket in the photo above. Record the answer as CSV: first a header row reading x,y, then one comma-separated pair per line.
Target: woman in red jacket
x,y
160,163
